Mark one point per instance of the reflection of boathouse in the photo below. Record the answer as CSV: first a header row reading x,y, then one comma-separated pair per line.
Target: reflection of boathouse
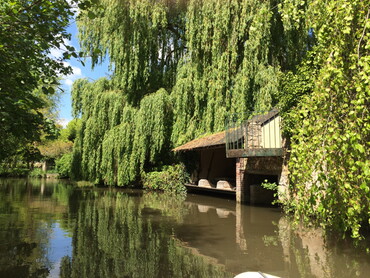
x,y
240,159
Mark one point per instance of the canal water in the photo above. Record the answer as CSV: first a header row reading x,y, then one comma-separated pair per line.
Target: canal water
x,y
53,229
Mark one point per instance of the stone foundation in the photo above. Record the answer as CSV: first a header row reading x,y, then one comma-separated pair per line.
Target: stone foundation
x,y
248,191
222,184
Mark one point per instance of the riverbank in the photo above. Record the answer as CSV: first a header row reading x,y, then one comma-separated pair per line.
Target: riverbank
x,y
28,173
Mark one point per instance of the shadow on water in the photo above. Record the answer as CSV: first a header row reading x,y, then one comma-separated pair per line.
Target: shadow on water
x,y
53,229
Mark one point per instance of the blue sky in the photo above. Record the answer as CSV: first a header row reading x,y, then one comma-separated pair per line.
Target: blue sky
x,y
79,71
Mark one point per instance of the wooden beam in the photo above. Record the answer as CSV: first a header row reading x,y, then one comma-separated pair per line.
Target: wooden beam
x,y
254,152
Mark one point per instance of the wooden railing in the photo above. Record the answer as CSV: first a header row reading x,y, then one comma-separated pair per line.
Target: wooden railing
x,y
254,134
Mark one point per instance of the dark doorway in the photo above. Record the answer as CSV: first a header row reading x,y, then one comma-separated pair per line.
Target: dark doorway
x,y
259,195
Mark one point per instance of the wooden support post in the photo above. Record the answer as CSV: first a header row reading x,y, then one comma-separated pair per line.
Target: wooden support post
x,y
240,185
44,166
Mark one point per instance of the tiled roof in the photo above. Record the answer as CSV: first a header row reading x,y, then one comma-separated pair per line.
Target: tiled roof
x,y
218,139
213,140
262,118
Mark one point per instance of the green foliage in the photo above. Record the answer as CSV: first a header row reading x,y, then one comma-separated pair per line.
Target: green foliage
x,y
118,161
330,147
28,30
170,179
179,68
13,172
69,133
117,141
63,165
30,153
153,129
143,39
295,86
55,149
269,185
37,173
230,66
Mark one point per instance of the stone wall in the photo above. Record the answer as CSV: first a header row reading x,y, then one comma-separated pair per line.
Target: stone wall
x,y
264,165
253,133
261,166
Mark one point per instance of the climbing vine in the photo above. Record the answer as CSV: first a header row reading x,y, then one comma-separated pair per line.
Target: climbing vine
x,y
330,162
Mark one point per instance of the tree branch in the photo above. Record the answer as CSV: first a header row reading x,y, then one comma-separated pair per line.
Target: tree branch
x,y
363,34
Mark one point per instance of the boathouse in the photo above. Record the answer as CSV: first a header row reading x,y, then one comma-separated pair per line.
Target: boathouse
x,y
212,168
238,160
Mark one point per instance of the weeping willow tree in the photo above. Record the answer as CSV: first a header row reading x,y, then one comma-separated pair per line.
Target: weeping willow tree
x,y
236,51
117,141
143,39
179,67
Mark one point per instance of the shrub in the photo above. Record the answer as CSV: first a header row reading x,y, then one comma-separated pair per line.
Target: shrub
x,y
63,165
13,172
84,184
37,173
170,179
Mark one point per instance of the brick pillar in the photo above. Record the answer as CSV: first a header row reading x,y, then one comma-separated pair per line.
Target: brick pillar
x,y
240,186
239,229
283,187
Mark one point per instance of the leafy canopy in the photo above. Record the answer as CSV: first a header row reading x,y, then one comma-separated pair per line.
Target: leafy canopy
x,y
28,30
178,68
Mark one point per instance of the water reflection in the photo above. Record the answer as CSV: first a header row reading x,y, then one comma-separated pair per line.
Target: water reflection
x,y
26,218
51,229
118,234
245,238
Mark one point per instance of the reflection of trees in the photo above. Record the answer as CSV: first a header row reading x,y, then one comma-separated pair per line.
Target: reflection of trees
x,y
168,204
117,235
309,250
134,234
28,208
23,238
266,241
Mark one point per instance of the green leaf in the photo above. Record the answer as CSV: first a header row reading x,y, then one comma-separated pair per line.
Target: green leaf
x,y
91,15
360,148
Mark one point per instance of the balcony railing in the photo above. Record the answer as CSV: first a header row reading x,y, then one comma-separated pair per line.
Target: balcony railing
x,y
254,134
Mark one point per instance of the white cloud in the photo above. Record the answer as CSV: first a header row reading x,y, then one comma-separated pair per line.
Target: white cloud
x,y
57,53
67,42
63,122
76,73
74,6
68,82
